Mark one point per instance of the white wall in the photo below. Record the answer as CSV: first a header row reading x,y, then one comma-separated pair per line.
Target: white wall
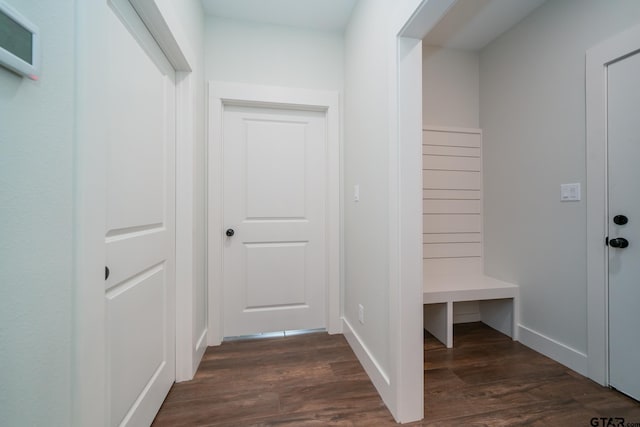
x,y
366,163
244,52
450,87
532,111
36,212
372,225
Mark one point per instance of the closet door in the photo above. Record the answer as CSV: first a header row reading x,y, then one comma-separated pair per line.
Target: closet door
x,y
140,233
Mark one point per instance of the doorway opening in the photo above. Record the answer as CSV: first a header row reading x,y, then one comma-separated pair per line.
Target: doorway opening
x,y
257,246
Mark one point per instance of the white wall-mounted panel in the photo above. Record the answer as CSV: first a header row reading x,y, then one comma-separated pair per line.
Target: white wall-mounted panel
x,y
451,139
451,180
452,206
452,163
452,250
452,200
452,237
444,150
437,223
431,194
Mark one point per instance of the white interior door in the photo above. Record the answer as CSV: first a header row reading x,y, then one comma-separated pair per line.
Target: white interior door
x,y
274,264
140,231
624,188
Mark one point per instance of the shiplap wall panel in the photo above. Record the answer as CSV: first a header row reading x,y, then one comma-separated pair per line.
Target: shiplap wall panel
x,y
452,238
451,163
437,223
451,206
438,150
431,194
450,180
452,201
451,139
452,250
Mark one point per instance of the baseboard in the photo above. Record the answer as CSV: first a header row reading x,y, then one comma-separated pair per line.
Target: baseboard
x,y
201,347
553,349
377,375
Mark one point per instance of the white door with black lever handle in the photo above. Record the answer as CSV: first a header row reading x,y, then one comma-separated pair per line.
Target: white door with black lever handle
x,y
624,224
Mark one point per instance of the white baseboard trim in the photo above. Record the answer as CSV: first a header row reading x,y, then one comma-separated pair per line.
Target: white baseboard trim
x,y
371,366
553,349
201,347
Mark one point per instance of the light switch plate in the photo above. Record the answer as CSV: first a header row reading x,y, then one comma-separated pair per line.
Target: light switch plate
x,y
356,193
570,192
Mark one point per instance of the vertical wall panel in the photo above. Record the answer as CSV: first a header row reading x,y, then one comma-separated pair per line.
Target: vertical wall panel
x,y
452,198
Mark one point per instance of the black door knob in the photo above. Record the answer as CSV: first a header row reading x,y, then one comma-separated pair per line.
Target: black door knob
x,y
620,220
230,232
106,272
619,242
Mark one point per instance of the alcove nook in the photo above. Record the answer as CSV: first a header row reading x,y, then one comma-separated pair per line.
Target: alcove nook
x,y
456,288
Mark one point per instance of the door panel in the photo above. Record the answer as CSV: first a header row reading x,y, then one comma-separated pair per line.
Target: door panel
x,y
136,349
140,232
624,187
275,161
274,200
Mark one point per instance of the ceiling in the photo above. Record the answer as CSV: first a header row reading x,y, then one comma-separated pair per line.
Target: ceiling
x,y
469,24
472,24
327,15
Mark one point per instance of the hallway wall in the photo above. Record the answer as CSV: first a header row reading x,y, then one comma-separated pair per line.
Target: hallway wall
x,y
36,229
372,227
532,111
450,87
247,52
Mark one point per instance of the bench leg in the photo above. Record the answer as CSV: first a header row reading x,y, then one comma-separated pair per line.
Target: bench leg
x,y
438,321
501,315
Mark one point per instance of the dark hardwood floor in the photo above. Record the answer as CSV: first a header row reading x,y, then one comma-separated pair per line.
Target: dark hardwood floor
x,y
315,379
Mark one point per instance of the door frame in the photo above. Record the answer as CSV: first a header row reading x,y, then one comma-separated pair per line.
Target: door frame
x,y
239,94
89,391
598,58
406,397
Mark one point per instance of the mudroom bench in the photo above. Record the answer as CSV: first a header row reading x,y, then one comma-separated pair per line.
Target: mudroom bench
x,y
497,300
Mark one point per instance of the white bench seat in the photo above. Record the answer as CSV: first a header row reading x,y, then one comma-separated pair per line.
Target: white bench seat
x,y
498,302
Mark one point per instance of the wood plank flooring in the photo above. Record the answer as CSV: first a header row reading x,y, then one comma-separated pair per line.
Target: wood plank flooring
x,y
316,380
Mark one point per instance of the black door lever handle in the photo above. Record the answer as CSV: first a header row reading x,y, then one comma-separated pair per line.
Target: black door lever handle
x,y
619,242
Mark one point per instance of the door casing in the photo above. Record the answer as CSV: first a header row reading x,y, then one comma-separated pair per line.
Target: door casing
x,y
222,94
598,59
